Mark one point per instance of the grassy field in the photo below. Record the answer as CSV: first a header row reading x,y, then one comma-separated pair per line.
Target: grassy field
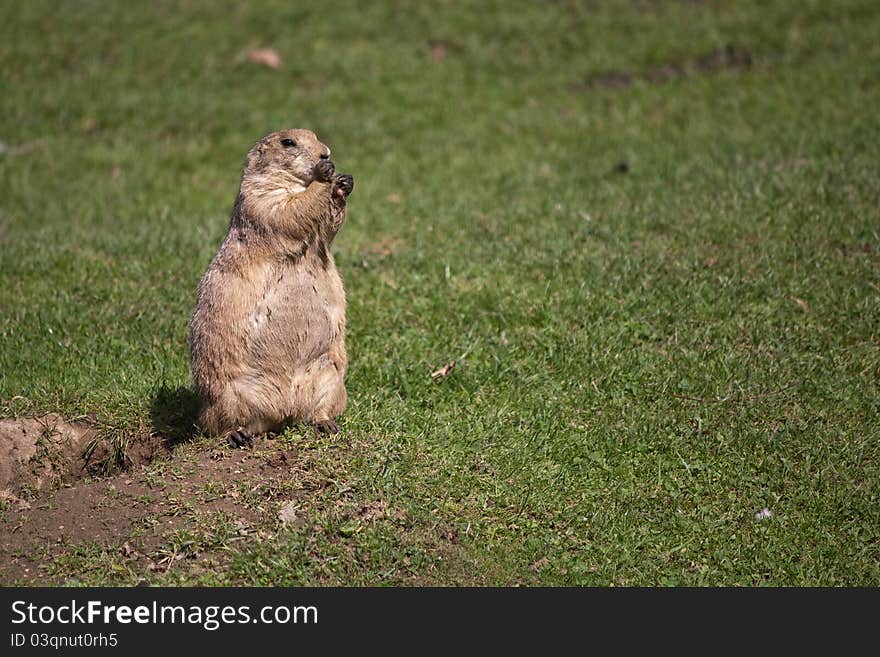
x,y
647,233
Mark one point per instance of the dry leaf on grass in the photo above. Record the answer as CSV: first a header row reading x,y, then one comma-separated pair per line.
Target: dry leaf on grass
x,y
444,371
265,56
803,304
287,514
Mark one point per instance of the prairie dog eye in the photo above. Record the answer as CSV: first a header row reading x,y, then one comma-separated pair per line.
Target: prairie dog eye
x,y
288,143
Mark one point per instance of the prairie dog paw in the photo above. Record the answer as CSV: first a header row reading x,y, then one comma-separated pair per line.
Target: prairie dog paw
x,y
343,185
327,426
324,171
240,439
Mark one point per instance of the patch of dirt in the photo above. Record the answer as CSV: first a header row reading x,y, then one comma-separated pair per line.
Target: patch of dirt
x,y
729,57
38,453
136,511
190,513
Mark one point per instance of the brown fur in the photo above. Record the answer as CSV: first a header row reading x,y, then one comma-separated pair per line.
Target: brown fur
x,y
267,338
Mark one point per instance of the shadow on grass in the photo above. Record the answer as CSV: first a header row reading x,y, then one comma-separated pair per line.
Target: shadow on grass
x,y
174,413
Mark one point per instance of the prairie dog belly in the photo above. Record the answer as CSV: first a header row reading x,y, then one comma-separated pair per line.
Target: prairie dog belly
x,y
297,318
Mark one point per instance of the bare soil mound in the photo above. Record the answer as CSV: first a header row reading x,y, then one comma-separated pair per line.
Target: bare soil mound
x,y
38,453
135,516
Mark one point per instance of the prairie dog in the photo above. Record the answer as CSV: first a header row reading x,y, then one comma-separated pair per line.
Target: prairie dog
x,y
267,337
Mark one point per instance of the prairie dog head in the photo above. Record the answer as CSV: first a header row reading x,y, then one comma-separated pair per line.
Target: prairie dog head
x,y
283,163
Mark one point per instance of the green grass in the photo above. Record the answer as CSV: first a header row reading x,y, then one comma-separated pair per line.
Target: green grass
x,y
645,359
